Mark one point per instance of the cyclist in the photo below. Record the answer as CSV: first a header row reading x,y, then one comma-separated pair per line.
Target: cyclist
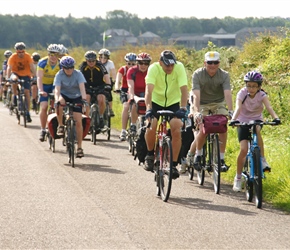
x,y
211,91
104,57
46,71
130,59
20,65
166,88
136,83
96,75
3,75
63,51
70,87
250,102
35,57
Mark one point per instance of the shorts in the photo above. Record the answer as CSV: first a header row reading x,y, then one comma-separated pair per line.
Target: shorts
x,y
26,79
155,107
124,95
77,109
214,108
48,88
244,132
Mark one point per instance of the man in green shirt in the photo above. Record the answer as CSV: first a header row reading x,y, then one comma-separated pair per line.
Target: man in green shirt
x,y
166,88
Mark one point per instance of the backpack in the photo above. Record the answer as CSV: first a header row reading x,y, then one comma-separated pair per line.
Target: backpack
x,y
141,146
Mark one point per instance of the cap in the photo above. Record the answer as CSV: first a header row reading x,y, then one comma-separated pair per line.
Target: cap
x,y
212,56
168,57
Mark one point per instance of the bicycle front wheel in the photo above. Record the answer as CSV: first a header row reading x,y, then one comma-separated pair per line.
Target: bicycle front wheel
x,y
216,163
165,173
257,177
200,174
248,181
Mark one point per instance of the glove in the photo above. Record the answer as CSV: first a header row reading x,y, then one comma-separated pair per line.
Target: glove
x,y
180,113
56,104
118,91
149,114
131,101
233,122
277,121
231,114
197,118
85,103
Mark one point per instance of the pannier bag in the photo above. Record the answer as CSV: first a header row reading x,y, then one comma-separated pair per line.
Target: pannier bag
x,y
215,124
53,124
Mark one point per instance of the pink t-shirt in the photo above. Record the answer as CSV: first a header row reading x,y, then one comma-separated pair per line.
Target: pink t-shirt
x,y
252,108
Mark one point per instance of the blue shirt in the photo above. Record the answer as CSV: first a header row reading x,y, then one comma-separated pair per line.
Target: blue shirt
x,y
69,85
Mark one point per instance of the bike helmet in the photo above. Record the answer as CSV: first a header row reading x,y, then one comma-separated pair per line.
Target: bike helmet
x,y
253,76
54,48
67,62
62,49
91,55
167,57
143,57
130,57
20,46
7,53
105,52
35,56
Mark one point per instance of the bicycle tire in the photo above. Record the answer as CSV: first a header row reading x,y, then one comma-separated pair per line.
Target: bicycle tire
x,y
248,182
200,174
156,169
24,110
94,126
257,177
165,173
216,164
108,118
72,142
190,171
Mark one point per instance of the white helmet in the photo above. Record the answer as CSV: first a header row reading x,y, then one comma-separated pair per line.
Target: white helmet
x,y
53,48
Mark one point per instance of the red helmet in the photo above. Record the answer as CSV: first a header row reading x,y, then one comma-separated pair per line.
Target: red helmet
x,y
143,57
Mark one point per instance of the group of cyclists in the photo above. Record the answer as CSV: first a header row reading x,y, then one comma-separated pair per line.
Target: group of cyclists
x,y
163,85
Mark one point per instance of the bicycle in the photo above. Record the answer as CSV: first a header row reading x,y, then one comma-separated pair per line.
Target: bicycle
x,y
51,135
69,138
253,173
21,108
141,110
95,115
163,165
210,159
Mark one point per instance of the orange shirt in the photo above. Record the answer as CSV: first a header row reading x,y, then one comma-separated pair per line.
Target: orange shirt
x,y
20,66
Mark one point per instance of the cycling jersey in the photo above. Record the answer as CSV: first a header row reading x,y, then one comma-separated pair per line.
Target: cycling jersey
x,y
49,71
94,76
139,79
109,66
166,86
123,71
20,66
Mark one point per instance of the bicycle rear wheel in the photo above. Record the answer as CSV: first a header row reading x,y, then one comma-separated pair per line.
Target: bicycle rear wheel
x,y
216,163
257,177
200,174
24,110
108,122
165,173
70,142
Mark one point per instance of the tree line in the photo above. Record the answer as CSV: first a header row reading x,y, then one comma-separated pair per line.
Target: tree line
x,y
38,32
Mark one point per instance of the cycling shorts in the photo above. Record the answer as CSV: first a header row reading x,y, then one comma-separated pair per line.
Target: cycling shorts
x,y
48,88
77,109
244,132
155,107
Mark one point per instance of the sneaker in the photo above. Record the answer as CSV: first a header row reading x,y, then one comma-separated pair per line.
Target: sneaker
x,y
60,131
80,153
197,163
123,135
133,129
265,165
101,124
112,114
34,105
175,173
28,118
42,135
149,163
237,185
190,159
224,166
184,166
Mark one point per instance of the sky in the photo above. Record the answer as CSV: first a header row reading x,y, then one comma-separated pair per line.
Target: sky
x,y
149,8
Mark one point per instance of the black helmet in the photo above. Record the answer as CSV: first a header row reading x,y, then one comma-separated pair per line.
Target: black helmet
x,y
91,55
168,57
254,76
35,56
20,46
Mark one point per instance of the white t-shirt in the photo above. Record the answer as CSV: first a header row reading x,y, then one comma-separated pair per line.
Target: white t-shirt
x,y
109,66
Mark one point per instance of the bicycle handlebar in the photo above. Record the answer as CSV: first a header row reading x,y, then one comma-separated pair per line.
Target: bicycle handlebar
x,y
252,123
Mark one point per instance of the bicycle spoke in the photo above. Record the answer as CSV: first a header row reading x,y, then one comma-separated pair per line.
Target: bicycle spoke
x,y
257,177
216,163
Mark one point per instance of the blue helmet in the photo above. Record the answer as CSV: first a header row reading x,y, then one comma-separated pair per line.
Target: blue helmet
x,y
67,62
130,57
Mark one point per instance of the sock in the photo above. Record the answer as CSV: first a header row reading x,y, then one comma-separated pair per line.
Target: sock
x,y
238,176
151,152
174,164
198,151
222,155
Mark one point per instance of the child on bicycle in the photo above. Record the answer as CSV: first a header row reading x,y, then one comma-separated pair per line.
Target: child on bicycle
x,y
250,102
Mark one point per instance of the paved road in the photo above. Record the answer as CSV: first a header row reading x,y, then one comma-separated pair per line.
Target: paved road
x,y
108,202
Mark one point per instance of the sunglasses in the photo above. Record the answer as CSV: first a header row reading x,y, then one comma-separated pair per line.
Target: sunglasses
x,y
131,64
20,51
68,67
144,63
213,62
91,61
53,54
